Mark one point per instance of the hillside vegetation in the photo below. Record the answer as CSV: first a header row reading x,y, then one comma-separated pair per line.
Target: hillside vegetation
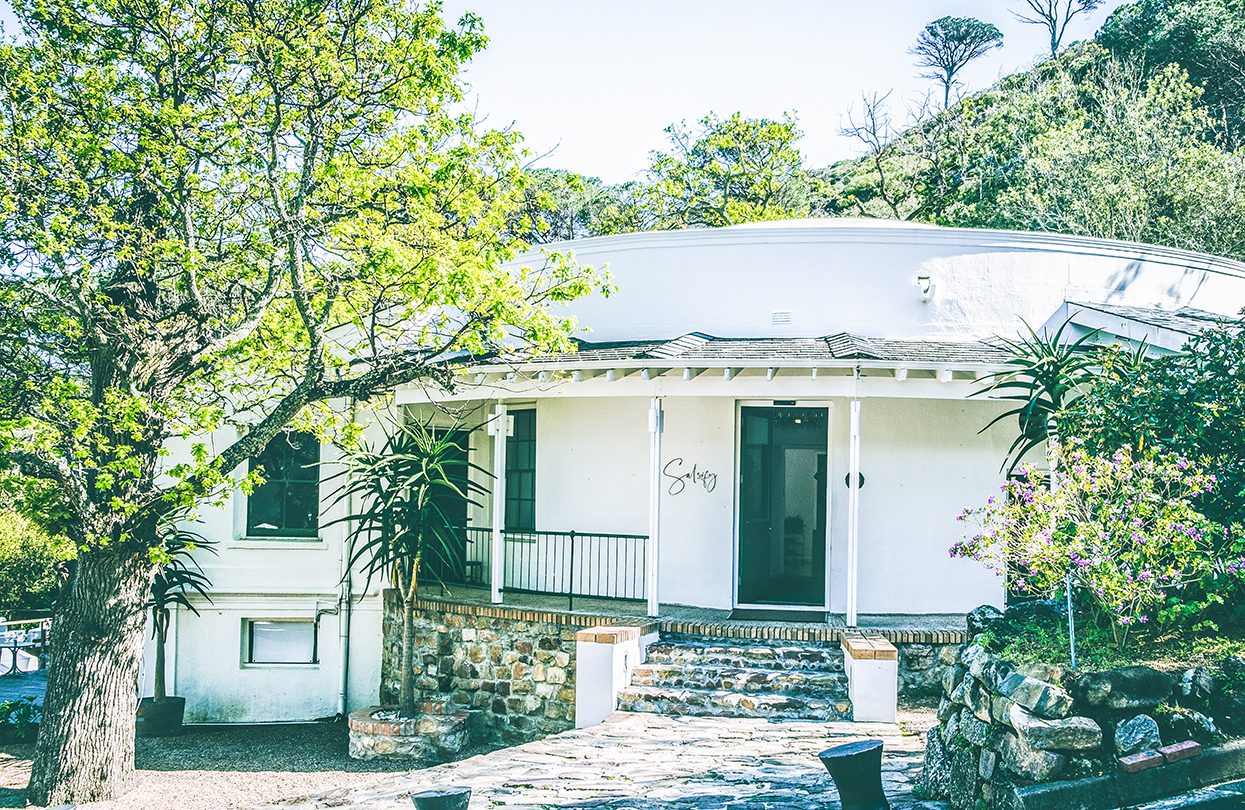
x,y
1136,135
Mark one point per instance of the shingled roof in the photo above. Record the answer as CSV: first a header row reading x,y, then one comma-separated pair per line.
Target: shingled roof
x,y
1186,320
698,348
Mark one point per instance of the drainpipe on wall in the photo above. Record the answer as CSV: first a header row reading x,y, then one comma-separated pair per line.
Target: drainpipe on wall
x,y
853,504
656,424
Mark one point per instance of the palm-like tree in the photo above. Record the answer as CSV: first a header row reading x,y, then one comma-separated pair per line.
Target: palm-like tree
x,y
399,490
175,581
1045,375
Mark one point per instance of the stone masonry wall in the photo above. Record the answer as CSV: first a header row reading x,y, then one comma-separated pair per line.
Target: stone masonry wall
x,y
921,667
516,667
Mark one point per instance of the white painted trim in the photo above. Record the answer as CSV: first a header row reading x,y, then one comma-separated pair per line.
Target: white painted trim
x,y
656,426
845,230
499,428
740,404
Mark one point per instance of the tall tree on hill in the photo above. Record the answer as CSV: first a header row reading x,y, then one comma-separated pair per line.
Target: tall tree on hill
x,y
725,171
1054,16
947,44
222,217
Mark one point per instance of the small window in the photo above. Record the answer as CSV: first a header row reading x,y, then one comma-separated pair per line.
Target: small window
x,y
287,504
521,473
280,641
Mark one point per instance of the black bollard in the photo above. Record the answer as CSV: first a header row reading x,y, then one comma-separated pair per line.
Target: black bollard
x,y
856,769
442,799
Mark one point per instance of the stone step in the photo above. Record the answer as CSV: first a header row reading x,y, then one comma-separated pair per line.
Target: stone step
x,y
746,656
725,703
814,683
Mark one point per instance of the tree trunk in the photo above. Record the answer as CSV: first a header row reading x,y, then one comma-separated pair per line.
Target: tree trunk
x,y
406,691
85,751
160,617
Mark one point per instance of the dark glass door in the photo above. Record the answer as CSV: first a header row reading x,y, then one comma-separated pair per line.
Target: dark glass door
x,y
782,506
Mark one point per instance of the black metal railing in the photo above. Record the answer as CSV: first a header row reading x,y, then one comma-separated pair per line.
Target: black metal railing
x,y
571,564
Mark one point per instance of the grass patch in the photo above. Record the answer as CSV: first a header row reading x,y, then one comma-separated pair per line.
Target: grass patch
x,y
1046,642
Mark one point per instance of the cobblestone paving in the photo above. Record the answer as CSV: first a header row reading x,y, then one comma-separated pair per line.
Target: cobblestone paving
x,y
646,762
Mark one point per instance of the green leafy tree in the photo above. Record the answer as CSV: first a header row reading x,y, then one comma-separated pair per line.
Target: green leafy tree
x,y
1132,159
726,171
559,206
218,214
1054,16
402,488
32,565
1205,37
948,44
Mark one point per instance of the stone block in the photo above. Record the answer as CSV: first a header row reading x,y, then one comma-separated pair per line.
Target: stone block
x,y
1089,793
1126,688
976,698
1039,697
952,677
1155,783
1067,734
1028,763
986,762
1137,734
917,656
1000,710
963,788
936,772
973,729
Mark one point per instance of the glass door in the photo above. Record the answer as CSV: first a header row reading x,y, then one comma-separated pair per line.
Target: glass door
x,y
782,505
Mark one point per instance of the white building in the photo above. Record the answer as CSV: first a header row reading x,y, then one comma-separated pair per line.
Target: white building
x,y
771,417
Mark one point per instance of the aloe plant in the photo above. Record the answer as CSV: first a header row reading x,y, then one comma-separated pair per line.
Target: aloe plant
x,y
1044,375
177,578
397,491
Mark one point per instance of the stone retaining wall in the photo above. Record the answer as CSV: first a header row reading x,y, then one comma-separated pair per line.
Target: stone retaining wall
x,y
921,667
516,667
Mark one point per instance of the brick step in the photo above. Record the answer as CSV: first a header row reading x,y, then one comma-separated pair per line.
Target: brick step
x,y
724,703
746,656
813,683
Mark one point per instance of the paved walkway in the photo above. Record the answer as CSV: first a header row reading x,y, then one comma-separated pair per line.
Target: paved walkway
x,y
646,762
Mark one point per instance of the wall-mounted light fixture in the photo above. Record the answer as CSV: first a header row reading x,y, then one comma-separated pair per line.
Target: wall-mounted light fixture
x,y
925,284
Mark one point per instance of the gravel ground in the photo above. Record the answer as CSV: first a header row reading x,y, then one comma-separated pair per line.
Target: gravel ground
x,y
235,767
220,768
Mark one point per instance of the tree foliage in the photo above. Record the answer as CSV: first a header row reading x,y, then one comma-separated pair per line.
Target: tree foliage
x,y
32,565
948,44
725,171
218,215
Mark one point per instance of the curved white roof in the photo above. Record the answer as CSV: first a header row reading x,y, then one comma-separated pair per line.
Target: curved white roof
x,y
880,278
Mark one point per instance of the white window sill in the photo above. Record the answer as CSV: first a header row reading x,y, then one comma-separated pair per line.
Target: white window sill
x,y
279,542
245,665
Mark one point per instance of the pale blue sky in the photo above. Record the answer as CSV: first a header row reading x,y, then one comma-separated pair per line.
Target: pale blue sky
x,y
595,81
599,79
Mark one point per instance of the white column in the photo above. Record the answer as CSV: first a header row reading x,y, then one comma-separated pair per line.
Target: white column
x,y
656,417
853,513
500,425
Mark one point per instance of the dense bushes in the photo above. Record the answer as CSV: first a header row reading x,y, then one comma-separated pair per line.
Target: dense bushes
x,y
30,565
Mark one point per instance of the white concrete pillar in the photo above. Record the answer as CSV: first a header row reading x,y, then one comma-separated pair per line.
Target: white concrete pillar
x,y
656,419
604,660
872,666
500,426
853,514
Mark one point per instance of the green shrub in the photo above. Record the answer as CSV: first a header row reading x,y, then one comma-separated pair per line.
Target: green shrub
x,y
30,564
19,719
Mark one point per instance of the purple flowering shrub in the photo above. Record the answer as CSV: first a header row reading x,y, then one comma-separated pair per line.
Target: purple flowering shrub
x,y
1124,526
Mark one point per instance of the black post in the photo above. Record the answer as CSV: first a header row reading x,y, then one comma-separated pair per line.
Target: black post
x,y
856,769
570,588
442,799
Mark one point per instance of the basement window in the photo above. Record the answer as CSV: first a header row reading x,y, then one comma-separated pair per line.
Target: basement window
x,y
279,641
